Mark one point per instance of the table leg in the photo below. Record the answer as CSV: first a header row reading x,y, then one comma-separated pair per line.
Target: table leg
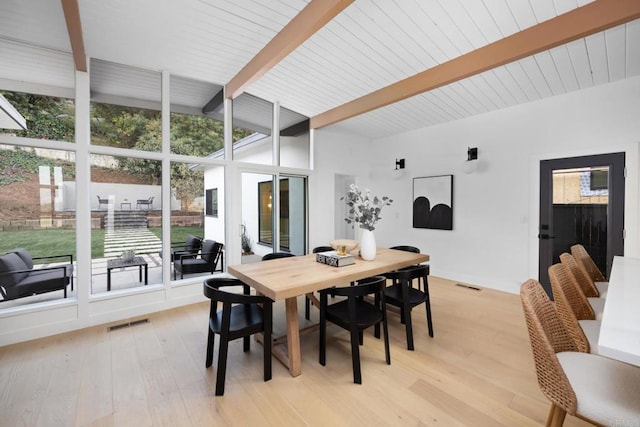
x,y
108,279
140,273
293,337
146,274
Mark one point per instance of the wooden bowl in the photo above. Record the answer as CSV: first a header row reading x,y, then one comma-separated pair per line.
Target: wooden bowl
x,y
352,245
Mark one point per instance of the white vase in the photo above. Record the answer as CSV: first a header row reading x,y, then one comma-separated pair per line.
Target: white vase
x,y
368,245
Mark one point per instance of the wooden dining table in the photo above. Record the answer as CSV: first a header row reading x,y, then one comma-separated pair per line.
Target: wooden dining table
x,y
620,328
288,278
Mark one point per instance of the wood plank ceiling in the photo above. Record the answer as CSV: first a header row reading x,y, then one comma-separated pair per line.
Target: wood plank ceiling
x,y
370,45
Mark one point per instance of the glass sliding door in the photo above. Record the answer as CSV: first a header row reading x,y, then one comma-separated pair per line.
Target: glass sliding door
x,y
293,214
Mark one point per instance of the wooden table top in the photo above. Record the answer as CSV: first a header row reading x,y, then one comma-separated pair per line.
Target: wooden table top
x,y
289,277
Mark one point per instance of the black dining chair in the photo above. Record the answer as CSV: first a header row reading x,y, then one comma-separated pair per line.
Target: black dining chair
x,y
242,315
355,314
403,295
322,249
307,300
406,248
276,255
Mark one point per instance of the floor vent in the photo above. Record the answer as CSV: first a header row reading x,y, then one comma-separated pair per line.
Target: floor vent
x,y
468,287
126,325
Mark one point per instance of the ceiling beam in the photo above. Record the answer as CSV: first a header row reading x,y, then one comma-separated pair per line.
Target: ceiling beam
x,y
578,23
214,103
74,28
310,19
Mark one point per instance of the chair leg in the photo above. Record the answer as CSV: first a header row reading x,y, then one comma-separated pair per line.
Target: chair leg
x,y
322,354
556,416
387,352
355,356
246,344
307,308
222,364
427,303
407,314
267,344
210,342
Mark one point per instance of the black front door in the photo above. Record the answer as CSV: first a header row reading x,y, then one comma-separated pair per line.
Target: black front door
x,y
581,201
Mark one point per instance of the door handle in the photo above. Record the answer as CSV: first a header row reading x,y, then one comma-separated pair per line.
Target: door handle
x,y
545,237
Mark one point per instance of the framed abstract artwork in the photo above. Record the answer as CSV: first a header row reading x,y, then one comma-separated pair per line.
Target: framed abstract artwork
x,y
433,202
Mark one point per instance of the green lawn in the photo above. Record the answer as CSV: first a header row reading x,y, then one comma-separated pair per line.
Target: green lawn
x,y
61,242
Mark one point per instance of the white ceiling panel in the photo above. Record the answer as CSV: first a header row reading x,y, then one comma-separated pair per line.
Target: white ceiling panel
x,y
550,73
33,64
566,71
532,69
41,22
615,40
596,50
633,48
580,60
368,46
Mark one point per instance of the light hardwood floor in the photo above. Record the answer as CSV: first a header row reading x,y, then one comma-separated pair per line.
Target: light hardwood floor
x,y
477,371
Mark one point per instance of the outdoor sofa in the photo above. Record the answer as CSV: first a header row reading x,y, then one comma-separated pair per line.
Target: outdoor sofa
x,y
18,278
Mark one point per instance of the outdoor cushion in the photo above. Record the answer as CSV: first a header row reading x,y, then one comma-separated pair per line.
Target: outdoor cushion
x,y
209,250
40,282
192,244
25,255
12,262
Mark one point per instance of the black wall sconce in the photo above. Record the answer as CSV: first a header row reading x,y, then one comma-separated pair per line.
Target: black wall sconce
x,y
471,164
399,164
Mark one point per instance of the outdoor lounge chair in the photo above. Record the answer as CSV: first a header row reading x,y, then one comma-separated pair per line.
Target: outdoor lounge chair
x,y
102,202
189,248
148,203
204,262
19,278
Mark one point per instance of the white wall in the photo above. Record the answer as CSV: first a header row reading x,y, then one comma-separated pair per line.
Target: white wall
x,y
494,240
335,153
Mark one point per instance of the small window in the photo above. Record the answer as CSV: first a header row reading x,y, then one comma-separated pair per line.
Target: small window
x,y
212,202
599,179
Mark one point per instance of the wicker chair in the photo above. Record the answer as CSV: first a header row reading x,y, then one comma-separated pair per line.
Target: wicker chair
x,y
584,332
580,276
579,303
608,395
586,262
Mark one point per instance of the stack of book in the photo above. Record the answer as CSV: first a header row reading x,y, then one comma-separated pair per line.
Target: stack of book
x,y
332,258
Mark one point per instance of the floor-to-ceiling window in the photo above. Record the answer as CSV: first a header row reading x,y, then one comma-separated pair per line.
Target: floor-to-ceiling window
x,y
37,200
126,183
145,181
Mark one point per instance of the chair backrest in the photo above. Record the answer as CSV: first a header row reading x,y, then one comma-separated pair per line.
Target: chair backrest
x,y
193,243
548,336
409,273
565,312
276,255
582,279
586,262
322,249
367,286
576,299
212,291
406,248
210,251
